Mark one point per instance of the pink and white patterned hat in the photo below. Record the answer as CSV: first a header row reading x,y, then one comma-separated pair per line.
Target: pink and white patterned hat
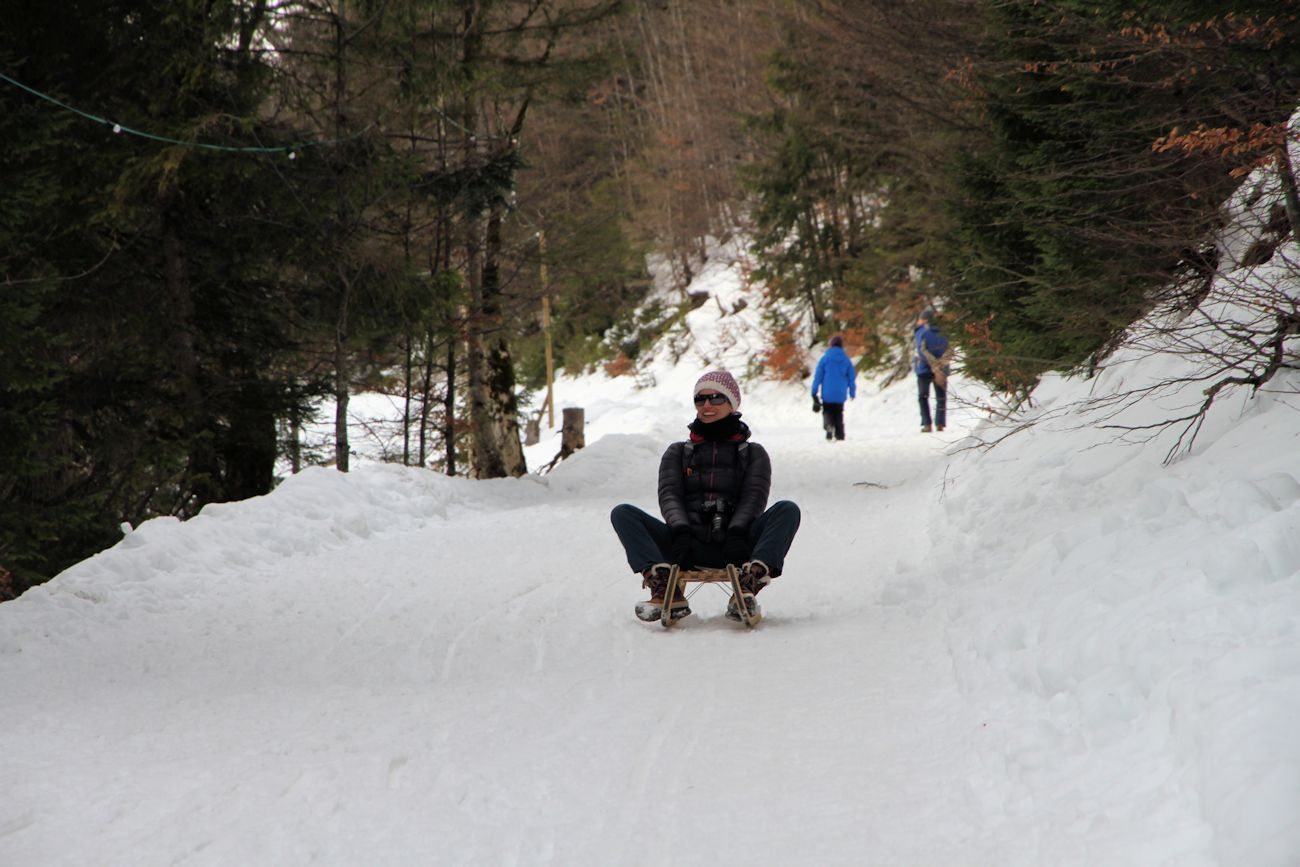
x,y
721,382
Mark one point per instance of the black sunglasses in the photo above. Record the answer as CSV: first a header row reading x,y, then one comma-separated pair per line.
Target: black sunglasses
x,y
715,399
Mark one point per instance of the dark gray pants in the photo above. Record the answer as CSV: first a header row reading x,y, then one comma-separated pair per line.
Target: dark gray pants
x,y
647,540
923,383
833,420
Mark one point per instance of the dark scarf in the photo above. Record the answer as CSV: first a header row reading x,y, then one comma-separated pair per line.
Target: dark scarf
x,y
729,429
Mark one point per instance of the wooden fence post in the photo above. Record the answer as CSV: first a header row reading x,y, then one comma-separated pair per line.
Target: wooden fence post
x,y
573,435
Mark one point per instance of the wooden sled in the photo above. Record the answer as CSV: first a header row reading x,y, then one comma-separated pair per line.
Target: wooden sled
x,y
677,579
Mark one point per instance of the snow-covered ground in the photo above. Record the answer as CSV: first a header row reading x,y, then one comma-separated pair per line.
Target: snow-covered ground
x,y
1057,651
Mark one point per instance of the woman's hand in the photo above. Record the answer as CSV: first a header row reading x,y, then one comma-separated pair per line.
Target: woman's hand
x,y
736,547
681,550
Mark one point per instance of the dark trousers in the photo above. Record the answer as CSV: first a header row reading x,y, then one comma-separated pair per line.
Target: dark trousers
x,y
833,420
923,383
647,540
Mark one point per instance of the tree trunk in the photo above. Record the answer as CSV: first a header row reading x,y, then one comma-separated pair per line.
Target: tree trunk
x,y
573,434
250,450
342,363
504,405
342,388
449,408
203,473
426,393
408,384
494,410
1290,195
295,442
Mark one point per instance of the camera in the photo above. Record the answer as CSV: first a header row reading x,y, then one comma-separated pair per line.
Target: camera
x,y
717,507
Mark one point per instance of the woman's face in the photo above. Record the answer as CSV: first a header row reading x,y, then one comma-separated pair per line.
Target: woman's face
x,y
707,411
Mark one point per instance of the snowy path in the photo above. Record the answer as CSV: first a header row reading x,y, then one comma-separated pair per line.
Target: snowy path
x,y
470,687
966,663
1061,653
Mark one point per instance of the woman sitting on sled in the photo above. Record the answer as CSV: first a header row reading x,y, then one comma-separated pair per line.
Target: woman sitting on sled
x,y
713,490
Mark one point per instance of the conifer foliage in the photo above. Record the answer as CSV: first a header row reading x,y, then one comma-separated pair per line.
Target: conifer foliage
x,y
1083,197
145,333
1040,168
216,212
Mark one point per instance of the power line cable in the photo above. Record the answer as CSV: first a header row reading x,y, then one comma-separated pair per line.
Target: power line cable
x,y
290,149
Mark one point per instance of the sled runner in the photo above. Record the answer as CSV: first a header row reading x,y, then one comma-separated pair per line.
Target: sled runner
x,y
677,579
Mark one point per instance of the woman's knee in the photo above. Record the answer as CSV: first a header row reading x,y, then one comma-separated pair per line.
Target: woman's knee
x,y
785,508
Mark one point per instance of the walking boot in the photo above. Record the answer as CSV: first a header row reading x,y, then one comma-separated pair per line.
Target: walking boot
x,y
754,576
655,579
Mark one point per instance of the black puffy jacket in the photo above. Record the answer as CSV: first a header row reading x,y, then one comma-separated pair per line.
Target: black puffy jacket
x,y
717,470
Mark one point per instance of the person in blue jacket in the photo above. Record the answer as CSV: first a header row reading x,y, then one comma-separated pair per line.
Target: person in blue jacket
x,y
930,344
837,379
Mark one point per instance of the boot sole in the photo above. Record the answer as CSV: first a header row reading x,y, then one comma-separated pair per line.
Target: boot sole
x,y
648,613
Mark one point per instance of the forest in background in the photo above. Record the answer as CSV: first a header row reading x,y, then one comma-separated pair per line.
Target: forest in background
x,y
218,213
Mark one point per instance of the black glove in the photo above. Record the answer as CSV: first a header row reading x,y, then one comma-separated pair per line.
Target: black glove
x,y
681,549
736,547
817,404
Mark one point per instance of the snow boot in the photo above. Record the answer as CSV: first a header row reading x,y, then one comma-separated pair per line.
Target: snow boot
x,y
754,576
751,604
656,580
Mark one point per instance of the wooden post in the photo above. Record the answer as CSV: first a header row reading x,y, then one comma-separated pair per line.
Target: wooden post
x,y
573,435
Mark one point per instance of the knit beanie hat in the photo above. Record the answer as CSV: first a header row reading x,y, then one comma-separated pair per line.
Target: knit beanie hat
x,y
927,315
723,383
837,341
